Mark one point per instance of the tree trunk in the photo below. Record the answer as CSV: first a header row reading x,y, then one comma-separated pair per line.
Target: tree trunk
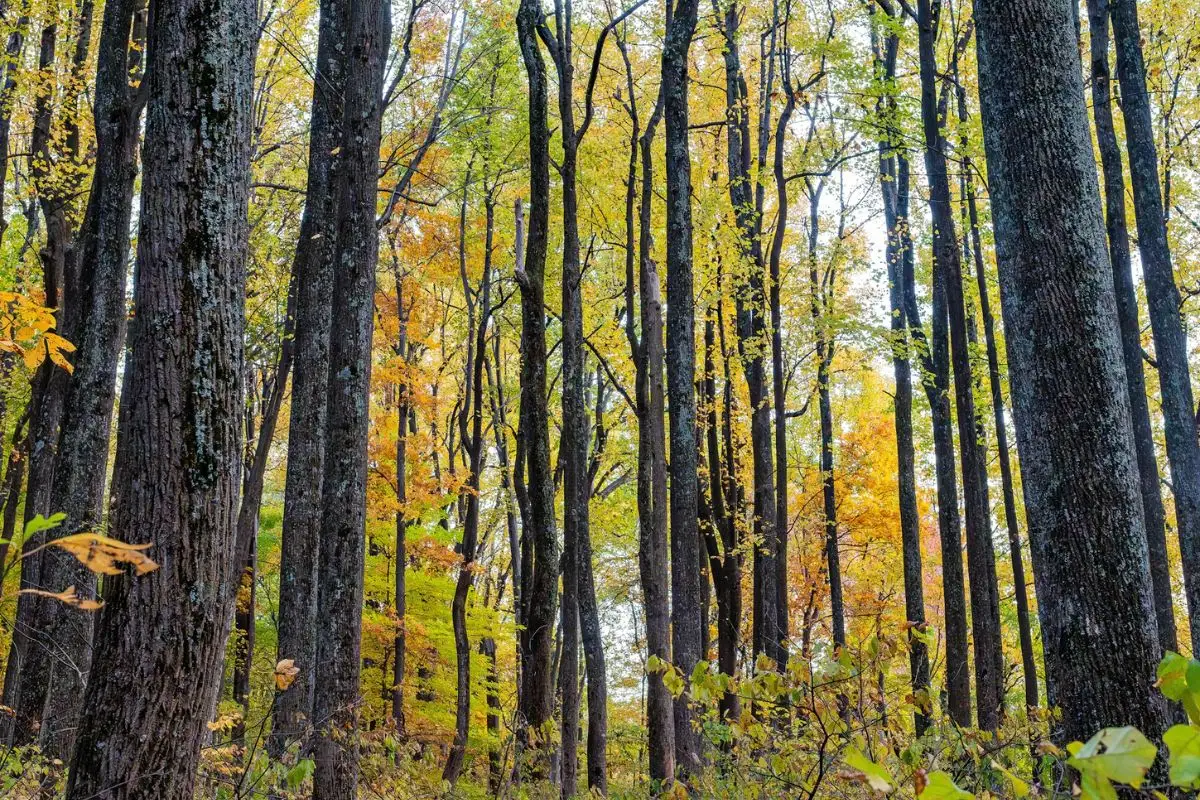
x,y
291,713
161,637
893,170
347,426
103,254
1162,296
534,432
985,605
1068,382
680,356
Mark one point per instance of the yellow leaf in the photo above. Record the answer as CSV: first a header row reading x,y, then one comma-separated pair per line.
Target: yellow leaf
x,y
285,673
103,555
70,597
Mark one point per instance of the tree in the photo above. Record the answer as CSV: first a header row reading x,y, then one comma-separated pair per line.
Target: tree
x,y
178,441
680,357
344,482
1069,385
103,252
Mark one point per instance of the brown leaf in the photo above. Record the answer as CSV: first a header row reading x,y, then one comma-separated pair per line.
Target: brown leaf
x,y
285,673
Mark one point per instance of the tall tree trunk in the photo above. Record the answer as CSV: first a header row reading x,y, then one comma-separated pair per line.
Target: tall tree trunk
x,y
400,603
30,649
894,178
103,254
1131,326
1068,382
347,424
291,713
178,461
647,354
680,357
542,572
1162,296
753,344
470,539
985,605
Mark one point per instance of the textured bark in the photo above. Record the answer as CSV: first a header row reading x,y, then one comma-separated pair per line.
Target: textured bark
x,y
347,422
291,713
102,251
160,638
752,345
893,170
30,648
400,601
974,245
1068,380
541,571
985,604
1131,326
680,357
647,353
1162,296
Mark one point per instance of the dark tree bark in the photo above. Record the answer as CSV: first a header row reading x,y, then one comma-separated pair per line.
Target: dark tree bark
x,y
680,357
160,638
1071,398
1131,326
541,571
647,353
403,420
291,713
470,540
974,247
56,198
894,180
347,424
985,605
753,345
1162,296
102,253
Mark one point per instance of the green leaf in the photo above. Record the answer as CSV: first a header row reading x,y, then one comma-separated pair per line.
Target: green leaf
x,y
1183,743
40,523
940,786
877,777
299,773
1114,754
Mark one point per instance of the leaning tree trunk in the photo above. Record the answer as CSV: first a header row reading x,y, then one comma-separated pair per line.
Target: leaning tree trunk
x,y
291,713
103,253
1162,296
1069,387
347,425
681,373
178,461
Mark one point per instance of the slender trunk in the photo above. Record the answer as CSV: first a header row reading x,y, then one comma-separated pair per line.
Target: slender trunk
x,y
985,606
1071,397
1162,296
680,357
752,342
176,476
1131,326
542,569
102,253
470,539
292,711
895,182
652,470
347,425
